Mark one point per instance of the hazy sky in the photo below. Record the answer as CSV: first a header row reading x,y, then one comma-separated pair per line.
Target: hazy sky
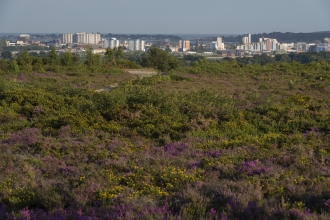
x,y
164,17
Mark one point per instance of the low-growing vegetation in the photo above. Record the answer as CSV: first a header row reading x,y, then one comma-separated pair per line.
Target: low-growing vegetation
x,y
212,140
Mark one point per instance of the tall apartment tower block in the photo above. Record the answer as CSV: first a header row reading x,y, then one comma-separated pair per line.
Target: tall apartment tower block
x,y
184,45
112,43
245,40
136,45
67,38
219,42
220,45
81,38
85,38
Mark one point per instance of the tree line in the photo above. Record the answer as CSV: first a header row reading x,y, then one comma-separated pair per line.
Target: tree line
x,y
115,58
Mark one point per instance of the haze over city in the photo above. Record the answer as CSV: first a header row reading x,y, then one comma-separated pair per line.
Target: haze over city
x,y
158,17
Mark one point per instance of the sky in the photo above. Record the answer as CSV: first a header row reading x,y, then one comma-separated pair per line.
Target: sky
x,y
164,17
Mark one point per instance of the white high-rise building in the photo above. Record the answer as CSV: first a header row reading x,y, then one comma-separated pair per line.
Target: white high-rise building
x,y
143,45
212,45
79,38
67,38
93,38
245,40
112,43
221,46
249,36
106,43
131,45
83,38
136,45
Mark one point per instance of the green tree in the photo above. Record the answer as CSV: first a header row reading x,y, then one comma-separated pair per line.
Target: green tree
x,y
33,54
160,60
67,58
93,61
3,44
168,49
119,53
53,57
109,56
25,62
282,58
7,55
43,54
37,64
13,67
76,59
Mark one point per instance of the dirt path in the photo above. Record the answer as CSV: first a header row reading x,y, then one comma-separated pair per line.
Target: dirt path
x,y
142,72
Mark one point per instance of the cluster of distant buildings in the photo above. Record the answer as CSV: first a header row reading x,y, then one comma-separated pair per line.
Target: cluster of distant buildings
x,y
186,46
80,40
23,40
268,45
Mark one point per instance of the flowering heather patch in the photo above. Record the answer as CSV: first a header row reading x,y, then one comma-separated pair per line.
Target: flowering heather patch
x,y
110,212
22,78
174,149
252,168
26,137
213,153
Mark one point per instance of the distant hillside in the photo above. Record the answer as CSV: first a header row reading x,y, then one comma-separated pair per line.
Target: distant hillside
x,y
284,37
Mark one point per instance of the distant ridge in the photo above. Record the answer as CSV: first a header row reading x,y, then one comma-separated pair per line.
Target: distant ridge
x,y
321,32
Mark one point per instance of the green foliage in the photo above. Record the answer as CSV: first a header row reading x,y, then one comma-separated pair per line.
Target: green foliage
x,y
67,58
25,62
33,54
109,56
6,55
119,53
13,68
3,44
27,48
161,60
282,58
93,61
303,58
53,58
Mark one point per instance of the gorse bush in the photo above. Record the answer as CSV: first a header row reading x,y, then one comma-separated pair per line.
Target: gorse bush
x,y
207,141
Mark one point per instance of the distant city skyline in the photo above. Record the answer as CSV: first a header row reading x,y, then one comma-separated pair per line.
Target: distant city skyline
x,y
170,17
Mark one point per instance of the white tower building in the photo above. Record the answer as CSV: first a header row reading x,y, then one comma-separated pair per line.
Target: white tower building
x,y
67,38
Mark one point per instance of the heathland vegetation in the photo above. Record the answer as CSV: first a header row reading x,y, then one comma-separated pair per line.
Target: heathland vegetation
x,y
208,140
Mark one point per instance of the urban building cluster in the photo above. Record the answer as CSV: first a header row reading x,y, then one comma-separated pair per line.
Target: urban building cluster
x,y
216,45
23,40
186,45
270,45
79,41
